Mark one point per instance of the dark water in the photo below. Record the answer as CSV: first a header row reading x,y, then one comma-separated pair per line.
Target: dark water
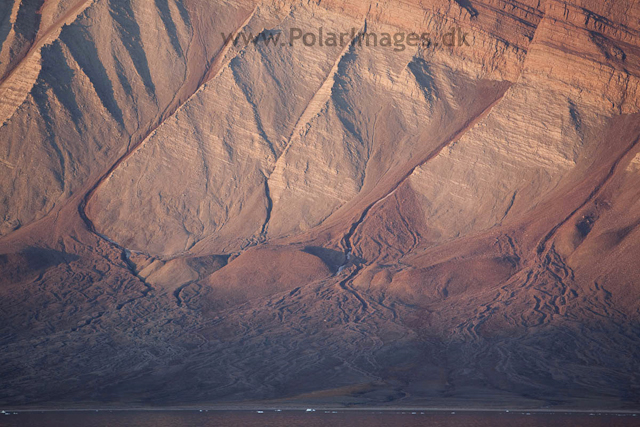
x,y
314,419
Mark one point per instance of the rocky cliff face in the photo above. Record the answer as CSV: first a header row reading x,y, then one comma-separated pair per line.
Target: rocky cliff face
x,y
350,223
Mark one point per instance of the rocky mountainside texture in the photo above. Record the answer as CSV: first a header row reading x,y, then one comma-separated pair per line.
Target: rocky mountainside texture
x,y
188,220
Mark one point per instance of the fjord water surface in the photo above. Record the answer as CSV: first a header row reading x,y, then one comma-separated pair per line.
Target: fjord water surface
x,y
313,419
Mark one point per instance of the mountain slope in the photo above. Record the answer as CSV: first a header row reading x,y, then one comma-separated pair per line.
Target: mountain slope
x,y
189,220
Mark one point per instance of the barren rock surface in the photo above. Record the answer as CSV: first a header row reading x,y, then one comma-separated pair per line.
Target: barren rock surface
x,y
188,220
